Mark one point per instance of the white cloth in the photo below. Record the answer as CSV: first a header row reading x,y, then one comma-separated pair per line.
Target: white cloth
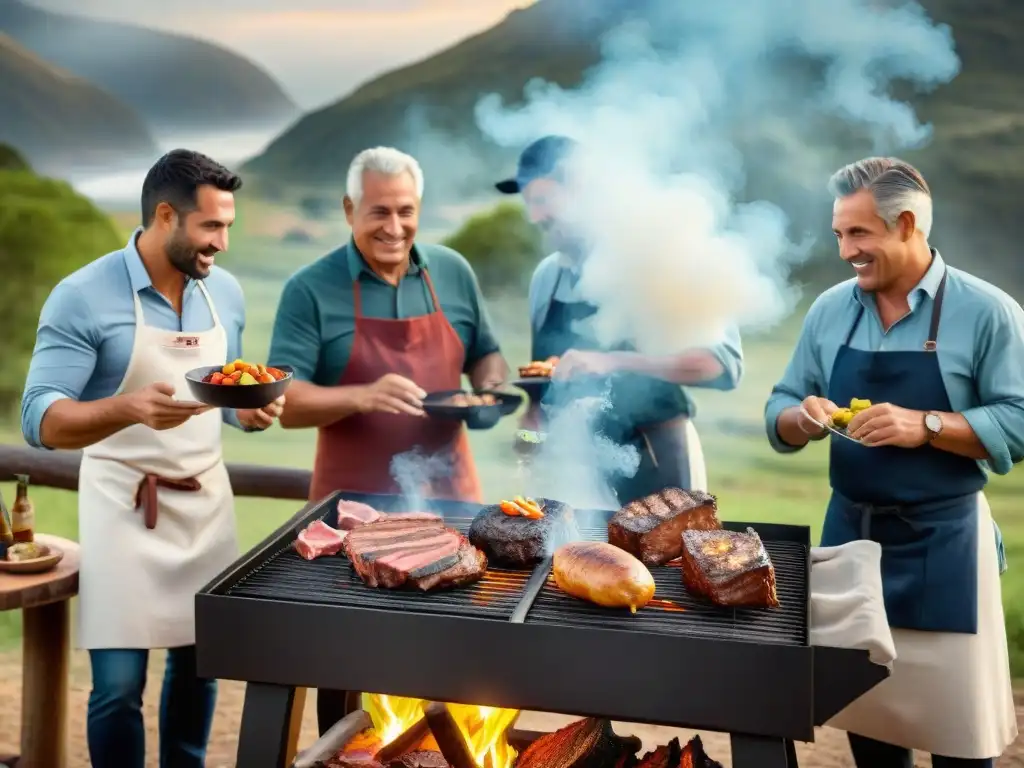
x,y
949,693
695,453
847,609
137,586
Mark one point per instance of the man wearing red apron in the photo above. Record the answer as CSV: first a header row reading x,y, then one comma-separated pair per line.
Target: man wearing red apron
x,y
370,329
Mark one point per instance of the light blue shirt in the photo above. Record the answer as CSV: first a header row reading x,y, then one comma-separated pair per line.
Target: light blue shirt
x,y
555,278
87,330
980,354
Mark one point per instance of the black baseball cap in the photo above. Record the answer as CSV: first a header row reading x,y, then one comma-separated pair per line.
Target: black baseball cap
x,y
538,160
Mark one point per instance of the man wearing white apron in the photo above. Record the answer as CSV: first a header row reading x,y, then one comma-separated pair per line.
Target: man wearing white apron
x,y
940,355
649,407
156,512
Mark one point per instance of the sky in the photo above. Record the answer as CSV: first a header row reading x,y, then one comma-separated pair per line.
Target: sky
x,y
319,50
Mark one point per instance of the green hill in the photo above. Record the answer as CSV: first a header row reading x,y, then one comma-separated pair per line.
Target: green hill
x,y
176,83
57,119
975,161
47,231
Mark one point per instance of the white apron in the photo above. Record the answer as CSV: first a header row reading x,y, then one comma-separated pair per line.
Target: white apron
x,y
137,586
698,472
949,693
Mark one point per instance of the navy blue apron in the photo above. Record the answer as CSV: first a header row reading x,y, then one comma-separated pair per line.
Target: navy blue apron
x,y
638,403
919,504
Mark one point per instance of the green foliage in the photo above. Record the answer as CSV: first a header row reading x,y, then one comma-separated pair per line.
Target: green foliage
x,y
11,159
47,231
501,245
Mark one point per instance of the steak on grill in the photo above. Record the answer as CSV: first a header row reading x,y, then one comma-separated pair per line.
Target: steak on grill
x,y
520,541
318,539
419,553
352,514
729,568
651,528
588,743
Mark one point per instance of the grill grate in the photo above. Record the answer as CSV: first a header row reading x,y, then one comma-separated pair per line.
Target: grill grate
x,y
331,581
675,611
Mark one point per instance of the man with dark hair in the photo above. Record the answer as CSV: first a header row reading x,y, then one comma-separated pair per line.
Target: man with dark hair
x,y
155,509
650,409
938,353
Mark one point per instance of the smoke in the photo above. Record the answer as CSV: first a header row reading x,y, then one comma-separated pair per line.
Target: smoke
x,y
694,109
677,255
414,472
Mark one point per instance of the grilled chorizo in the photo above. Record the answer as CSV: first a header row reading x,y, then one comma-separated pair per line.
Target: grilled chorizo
x,y
603,574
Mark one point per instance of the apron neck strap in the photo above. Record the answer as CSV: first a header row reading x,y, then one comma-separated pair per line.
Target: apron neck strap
x,y
931,344
357,296
140,318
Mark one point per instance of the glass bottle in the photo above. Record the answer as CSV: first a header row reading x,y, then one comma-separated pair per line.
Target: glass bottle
x,y
23,513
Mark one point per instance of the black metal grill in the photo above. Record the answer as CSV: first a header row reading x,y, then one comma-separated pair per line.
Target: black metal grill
x,y
515,640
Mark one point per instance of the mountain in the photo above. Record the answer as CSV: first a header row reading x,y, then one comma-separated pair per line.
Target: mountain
x,y
57,119
975,161
178,84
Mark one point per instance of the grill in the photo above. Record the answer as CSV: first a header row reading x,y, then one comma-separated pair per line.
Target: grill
x,y
514,640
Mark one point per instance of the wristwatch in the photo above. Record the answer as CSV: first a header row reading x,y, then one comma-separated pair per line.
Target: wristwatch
x,y
932,425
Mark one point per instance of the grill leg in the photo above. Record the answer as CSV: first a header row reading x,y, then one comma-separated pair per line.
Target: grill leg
x,y
266,720
762,752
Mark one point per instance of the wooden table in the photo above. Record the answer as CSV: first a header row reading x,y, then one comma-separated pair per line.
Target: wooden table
x,y
46,643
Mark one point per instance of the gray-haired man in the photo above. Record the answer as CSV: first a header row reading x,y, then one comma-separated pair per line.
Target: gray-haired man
x,y
940,356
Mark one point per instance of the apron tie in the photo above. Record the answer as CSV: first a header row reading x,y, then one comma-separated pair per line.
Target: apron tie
x,y
145,497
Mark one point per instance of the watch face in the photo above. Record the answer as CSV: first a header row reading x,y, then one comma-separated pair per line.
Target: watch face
x,y
933,423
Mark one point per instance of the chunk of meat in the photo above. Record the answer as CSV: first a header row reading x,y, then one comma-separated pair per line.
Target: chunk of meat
x,y
418,553
521,541
354,513
318,539
729,568
652,528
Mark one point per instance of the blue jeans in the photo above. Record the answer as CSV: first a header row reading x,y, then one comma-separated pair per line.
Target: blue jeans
x,y
117,737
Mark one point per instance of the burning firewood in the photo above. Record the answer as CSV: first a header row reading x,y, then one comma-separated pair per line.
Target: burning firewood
x,y
694,756
589,743
449,738
411,738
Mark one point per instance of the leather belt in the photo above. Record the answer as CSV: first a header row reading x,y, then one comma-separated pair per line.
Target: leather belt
x,y
145,497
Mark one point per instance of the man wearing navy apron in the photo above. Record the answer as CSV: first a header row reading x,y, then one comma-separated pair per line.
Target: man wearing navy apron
x,y
940,355
648,407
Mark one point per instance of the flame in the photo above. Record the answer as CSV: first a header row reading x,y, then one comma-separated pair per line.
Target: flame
x,y
482,727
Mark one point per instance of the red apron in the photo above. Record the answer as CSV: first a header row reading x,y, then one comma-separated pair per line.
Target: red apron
x,y
354,454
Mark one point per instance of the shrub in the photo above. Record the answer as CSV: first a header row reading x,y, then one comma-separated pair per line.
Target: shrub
x,y
47,231
502,246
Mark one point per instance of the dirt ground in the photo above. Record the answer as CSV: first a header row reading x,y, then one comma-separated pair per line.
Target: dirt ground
x,y
829,751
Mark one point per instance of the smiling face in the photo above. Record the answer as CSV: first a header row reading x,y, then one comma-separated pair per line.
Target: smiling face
x,y
879,255
192,239
385,220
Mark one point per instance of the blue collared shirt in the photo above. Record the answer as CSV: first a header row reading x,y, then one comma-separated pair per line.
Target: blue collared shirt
x,y
556,279
87,330
980,353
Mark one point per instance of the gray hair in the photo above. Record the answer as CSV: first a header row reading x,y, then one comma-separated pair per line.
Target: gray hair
x,y
384,160
897,186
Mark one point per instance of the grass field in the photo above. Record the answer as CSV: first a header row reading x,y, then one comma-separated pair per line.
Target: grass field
x,y
751,481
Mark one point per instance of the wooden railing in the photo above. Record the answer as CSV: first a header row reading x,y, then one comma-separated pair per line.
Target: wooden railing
x,y
59,469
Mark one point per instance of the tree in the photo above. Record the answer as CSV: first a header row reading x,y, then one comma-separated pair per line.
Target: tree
x,y
502,246
47,231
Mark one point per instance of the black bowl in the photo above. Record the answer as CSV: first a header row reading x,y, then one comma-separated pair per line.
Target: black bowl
x,y
248,396
534,386
475,416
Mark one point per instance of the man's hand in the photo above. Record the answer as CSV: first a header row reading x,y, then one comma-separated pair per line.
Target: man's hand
x,y
154,405
887,424
578,362
260,418
820,409
392,393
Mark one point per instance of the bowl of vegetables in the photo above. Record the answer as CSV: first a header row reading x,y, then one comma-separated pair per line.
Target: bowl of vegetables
x,y
239,384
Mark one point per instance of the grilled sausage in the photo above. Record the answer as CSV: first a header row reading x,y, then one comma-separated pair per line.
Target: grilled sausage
x,y
603,574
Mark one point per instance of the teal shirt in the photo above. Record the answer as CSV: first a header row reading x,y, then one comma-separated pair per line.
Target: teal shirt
x,y
315,324
980,353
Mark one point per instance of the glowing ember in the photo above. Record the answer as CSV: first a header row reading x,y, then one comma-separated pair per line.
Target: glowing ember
x,y
482,727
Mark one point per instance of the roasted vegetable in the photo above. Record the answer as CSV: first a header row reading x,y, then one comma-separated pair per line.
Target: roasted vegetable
x,y
842,418
859,405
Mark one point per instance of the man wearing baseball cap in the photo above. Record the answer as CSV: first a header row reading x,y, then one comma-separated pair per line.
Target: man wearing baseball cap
x,y
649,407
